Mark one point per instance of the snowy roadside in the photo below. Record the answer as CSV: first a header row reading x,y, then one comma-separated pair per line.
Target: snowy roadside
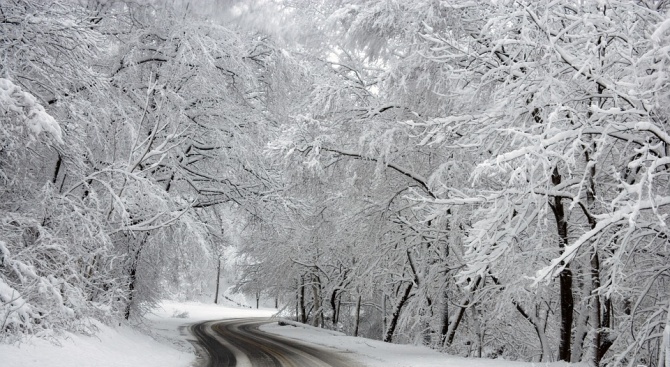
x,y
111,347
166,342
375,353
163,342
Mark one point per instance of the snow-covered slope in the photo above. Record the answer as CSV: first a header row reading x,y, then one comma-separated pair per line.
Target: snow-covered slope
x,y
110,347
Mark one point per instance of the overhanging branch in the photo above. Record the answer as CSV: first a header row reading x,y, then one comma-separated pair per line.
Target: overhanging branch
x,y
402,170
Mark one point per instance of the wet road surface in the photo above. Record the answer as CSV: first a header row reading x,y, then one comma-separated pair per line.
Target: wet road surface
x,y
238,342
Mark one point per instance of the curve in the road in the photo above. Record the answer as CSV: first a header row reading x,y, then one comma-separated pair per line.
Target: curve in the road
x,y
239,343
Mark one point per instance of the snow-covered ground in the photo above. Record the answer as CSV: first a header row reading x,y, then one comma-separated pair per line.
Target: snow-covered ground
x,y
374,353
167,343
163,342
110,347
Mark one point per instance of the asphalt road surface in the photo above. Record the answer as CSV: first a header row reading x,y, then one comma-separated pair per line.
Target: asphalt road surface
x,y
238,342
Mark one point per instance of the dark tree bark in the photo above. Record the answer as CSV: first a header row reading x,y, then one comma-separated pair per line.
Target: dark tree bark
x,y
316,295
393,323
564,278
333,305
358,315
132,274
444,329
456,322
57,169
601,309
301,301
131,290
218,280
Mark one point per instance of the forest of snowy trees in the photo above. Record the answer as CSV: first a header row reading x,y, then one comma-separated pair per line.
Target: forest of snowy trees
x,y
488,178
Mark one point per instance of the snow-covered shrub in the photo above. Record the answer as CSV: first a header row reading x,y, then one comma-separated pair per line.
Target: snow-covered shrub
x,y
56,269
178,314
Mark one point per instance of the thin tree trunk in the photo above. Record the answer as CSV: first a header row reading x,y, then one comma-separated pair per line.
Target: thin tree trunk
x,y
384,316
601,342
131,290
297,305
664,348
318,313
358,315
595,314
600,312
132,279
539,331
218,280
538,325
581,326
396,314
444,329
564,278
333,305
453,324
132,275
57,169
301,296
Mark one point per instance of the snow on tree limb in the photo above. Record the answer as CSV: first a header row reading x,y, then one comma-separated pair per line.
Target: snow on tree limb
x,y
625,215
25,105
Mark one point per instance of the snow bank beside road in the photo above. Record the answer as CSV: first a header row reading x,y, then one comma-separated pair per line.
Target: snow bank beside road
x,y
110,347
375,353
167,345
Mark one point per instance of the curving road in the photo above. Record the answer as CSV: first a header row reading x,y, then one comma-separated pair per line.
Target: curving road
x,y
238,342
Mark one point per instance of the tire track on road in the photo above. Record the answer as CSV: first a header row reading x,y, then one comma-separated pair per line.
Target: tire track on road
x,y
239,343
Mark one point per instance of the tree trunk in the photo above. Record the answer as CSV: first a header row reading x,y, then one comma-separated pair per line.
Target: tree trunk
x,y
539,331
59,161
567,309
132,276
564,278
318,313
600,312
131,290
396,314
444,329
358,315
301,299
664,348
384,317
218,279
595,314
333,305
453,324
581,326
